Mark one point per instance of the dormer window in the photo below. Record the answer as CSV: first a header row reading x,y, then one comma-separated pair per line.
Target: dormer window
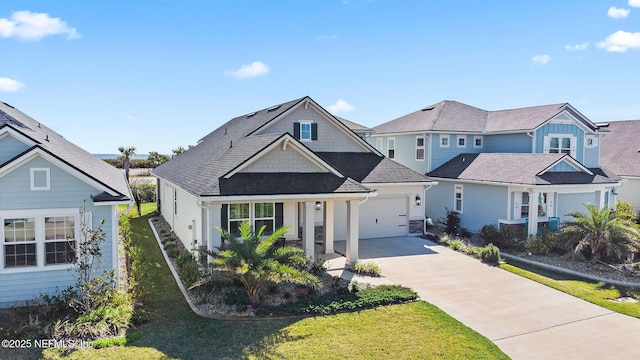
x,y
305,130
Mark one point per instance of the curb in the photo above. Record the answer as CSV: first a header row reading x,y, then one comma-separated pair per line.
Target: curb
x,y
569,272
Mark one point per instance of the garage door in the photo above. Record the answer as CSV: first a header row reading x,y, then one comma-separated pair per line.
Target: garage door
x,y
383,217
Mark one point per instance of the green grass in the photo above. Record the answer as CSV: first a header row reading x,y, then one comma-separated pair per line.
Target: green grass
x,y
147,208
596,293
416,330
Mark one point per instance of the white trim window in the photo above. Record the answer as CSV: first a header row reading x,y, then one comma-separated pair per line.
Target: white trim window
x,y
590,141
458,198
238,213
560,144
258,214
391,148
34,239
524,207
461,141
478,141
305,131
380,144
420,148
40,179
444,141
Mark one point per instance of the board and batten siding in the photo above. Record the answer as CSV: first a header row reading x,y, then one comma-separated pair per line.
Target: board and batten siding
x,y
67,192
279,160
563,167
561,129
592,155
330,137
10,147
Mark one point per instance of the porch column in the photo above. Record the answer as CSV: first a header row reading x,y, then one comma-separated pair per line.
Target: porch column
x,y
353,217
214,220
308,227
533,213
328,226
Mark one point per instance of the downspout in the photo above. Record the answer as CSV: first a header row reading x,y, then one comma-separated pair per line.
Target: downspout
x,y
206,228
533,141
424,209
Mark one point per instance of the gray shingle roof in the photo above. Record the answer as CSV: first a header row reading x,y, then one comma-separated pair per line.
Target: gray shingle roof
x,y
201,169
620,150
74,156
510,168
454,116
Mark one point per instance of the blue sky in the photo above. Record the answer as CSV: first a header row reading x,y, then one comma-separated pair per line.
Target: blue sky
x,y
162,74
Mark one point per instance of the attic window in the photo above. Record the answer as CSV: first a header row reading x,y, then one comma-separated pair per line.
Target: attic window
x,y
273,108
250,115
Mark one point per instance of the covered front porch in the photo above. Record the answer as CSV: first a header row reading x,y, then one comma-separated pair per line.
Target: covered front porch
x,y
299,214
543,208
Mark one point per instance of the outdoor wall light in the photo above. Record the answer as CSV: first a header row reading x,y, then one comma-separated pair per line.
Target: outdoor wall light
x,y
418,200
318,205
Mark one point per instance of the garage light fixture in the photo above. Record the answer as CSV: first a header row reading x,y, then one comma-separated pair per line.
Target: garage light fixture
x,y
318,205
418,200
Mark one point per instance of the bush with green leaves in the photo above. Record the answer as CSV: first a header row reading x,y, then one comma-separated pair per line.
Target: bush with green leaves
x,y
490,254
541,244
187,268
507,237
367,268
332,303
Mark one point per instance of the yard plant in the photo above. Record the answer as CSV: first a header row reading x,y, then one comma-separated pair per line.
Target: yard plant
x,y
255,260
600,233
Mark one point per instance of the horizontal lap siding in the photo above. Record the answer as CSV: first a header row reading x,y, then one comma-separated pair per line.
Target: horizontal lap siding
x,y
482,204
509,143
405,152
66,191
630,191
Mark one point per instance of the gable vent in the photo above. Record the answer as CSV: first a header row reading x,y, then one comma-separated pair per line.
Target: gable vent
x,y
273,108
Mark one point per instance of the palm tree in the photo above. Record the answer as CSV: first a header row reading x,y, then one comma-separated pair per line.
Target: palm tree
x,y
254,260
126,154
600,231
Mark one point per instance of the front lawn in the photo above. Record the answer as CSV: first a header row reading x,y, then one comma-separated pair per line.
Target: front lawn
x,y
596,293
415,330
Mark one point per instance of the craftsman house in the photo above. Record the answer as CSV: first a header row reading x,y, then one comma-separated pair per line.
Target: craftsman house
x,y
49,189
526,166
292,164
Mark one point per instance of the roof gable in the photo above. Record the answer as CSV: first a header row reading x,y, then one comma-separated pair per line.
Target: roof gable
x,y
43,138
523,169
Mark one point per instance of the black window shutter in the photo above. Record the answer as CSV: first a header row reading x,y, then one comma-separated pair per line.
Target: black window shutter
x,y
224,217
314,131
296,130
279,215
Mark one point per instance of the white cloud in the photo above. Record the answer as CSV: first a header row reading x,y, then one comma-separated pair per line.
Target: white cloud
x,y
10,85
26,25
252,70
634,3
620,41
541,59
618,13
578,47
340,106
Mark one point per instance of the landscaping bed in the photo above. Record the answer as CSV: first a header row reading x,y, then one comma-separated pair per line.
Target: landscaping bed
x,y
216,294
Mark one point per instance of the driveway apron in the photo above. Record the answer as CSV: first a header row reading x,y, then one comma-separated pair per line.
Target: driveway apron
x,y
525,319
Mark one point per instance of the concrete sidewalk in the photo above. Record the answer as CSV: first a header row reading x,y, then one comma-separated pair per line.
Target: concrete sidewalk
x,y
525,319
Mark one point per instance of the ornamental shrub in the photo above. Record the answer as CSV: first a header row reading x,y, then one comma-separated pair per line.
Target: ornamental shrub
x,y
490,254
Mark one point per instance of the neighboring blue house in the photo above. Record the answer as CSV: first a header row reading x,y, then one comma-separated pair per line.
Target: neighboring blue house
x,y
520,166
48,188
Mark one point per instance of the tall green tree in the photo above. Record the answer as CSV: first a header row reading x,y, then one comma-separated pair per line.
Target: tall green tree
x,y
157,159
255,260
600,232
127,153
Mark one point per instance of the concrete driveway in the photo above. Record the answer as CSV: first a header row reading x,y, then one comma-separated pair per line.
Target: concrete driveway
x,y
525,319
